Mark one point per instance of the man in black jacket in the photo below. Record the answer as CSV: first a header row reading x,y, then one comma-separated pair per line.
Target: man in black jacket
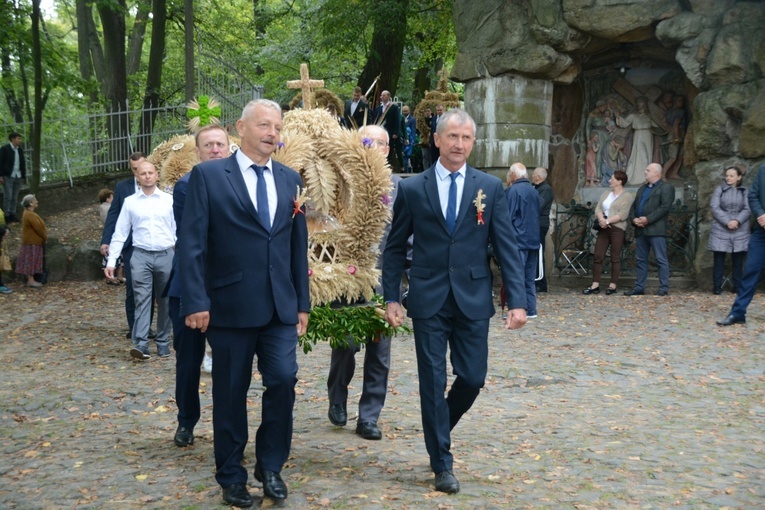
x,y
648,214
13,171
388,116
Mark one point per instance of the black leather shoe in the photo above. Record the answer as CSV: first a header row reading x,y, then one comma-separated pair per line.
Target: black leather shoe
x,y
237,495
337,415
716,292
610,291
447,482
183,437
273,485
368,430
634,292
730,320
662,293
590,290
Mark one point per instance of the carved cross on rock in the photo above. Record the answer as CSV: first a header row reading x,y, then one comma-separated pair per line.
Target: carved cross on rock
x,y
306,85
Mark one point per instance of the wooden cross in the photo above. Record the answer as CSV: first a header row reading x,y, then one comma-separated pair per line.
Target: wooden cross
x,y
305,84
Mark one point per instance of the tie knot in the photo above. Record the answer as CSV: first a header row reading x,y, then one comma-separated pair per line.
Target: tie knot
x,y
454,176
259,170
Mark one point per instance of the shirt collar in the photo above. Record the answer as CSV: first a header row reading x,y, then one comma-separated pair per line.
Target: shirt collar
x,y
443,173
245,162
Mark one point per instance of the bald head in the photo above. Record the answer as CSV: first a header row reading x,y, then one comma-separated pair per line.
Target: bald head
x,y
539,176
379,137
653,173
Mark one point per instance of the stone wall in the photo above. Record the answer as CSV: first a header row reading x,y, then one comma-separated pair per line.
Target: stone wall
x,y
718,44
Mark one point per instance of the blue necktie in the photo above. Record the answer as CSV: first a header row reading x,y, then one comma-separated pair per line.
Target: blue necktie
x,y
451,206
261,194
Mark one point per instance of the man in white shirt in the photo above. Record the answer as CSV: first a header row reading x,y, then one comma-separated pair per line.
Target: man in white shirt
x,y
149,214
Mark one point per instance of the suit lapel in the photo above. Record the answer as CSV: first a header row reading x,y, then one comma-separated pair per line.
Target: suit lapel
x,y
431,191
235,179
282,194
468,194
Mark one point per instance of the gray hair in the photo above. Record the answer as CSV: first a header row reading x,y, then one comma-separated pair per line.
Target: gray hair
x,y
27,200
249,107
460,115
517,170
541,172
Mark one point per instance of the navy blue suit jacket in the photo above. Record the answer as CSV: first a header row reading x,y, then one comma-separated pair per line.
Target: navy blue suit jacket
x,y
441,261
122,190
179,200
230,264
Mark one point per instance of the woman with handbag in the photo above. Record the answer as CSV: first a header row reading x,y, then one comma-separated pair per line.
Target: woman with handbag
x,y
33,237
611,214
730,227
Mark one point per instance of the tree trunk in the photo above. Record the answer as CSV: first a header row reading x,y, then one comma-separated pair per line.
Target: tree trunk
x,y
188,26
387,47
135,44
33,177
115,79
154,76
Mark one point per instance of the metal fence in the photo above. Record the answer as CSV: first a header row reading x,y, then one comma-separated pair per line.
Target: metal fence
x,y
84,144
574,241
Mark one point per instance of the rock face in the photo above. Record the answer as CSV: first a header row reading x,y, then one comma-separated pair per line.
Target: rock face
x,y
86,261
718,46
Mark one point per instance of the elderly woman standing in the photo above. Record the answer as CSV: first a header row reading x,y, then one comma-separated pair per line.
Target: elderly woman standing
x,y
730,227
612,212
33,236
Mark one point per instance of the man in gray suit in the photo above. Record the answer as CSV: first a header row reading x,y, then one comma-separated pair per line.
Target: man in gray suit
x,y
377,357
453,210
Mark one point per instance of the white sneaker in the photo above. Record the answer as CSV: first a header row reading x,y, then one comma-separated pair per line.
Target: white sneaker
x,y
207,364
5,290
531,316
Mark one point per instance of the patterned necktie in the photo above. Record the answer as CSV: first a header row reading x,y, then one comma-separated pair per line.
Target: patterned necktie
x,y
451,206
261,194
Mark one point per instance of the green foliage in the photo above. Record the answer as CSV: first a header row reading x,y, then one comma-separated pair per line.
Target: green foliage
x,y
336,325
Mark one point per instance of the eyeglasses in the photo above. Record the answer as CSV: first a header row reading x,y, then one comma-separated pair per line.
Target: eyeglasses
x,y
379,143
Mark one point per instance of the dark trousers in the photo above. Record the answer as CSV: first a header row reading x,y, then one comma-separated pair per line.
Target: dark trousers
x,y
467,341
530,260
614,237
189,345
737,265
755,262
376,368
233,351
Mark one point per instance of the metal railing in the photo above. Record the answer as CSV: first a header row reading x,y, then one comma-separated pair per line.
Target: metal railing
x,y
77,144
574,235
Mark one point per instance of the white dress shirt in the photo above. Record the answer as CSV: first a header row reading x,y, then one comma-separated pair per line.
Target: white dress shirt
x,y
151,219
444,182
251,181
16,172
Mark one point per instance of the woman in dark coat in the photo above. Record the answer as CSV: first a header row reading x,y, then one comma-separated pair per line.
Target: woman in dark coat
x,y
730,227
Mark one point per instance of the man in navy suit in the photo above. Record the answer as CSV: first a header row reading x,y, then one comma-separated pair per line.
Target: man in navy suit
x,y
357,111
453,210
211,143
433,128
244,281
122,190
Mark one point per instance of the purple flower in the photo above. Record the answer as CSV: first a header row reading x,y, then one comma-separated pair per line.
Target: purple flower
x,y
367,142
385,199
280,144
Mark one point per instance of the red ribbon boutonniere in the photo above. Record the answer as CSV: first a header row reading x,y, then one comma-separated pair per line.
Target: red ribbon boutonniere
x,y
298,201
479,206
